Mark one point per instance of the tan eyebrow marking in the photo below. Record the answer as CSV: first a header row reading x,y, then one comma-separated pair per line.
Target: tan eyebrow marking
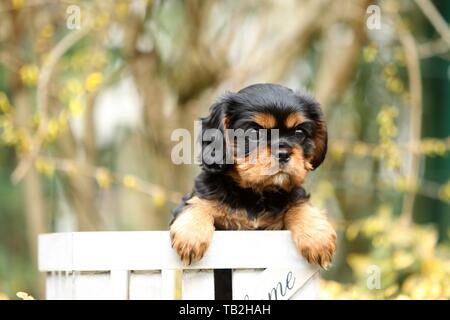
x,y
265,120
293,120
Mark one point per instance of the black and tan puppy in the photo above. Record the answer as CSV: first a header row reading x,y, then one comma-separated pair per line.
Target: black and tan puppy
x,y
257,186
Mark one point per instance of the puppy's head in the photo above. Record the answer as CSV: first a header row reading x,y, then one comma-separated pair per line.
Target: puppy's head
x,y
264,136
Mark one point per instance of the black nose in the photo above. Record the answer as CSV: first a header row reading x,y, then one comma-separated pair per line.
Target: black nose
x,y
283,155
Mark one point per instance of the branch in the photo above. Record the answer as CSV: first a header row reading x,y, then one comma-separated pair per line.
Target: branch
x,y
71,167
433,48
435,18
415,112
42,98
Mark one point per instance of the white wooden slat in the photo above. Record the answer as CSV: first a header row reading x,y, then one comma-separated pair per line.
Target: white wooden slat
x,y
50,286
66,283
59,285
168,280
119,284
145,285
92,286
197,285
93,251
243,279
56,249
53,291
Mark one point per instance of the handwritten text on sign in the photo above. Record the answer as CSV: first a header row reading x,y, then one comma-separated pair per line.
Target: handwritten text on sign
x,y
278,284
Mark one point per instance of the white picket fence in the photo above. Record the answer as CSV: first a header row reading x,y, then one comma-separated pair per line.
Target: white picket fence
x,y
142,265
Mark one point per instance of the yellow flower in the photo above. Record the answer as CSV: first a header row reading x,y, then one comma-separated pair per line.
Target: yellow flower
x,y
159,199
370,53
406,184
74,87
52,130
121,9
444,192
29,74
48,31
374,225
129,182
390,291
9,135
75,107
101,20
24,296
390,70
4,103
399,55
360,149
103,178
433,147
23,142
337,151
352,232
17,4
402,259
45,167
93,81
394,84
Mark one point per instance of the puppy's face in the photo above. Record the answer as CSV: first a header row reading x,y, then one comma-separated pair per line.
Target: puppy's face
x,y
273,136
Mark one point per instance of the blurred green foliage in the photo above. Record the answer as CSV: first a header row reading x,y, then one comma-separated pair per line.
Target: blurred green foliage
x,y
179,56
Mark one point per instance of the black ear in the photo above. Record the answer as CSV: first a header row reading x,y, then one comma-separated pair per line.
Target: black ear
x,y
213,142
320,134
320,143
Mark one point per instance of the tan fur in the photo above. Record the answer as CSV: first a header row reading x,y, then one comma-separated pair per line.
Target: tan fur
x,y
229,219
313,235
192,230
265,120
293,120
262,170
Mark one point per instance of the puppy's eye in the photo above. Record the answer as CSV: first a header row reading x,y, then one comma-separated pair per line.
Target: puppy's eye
x,y
300,134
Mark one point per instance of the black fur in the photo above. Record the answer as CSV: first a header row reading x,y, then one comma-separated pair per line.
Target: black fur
x,y
221,188
235,110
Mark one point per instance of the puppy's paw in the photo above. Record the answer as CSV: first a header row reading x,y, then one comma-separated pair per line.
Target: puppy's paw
x,y
191,234
319,251
315,239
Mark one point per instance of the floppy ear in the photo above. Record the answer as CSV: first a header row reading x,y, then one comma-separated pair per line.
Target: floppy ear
x,y
320,141
214,152
320,136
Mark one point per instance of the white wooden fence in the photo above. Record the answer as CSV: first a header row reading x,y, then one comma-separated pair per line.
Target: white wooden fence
x,y
142,265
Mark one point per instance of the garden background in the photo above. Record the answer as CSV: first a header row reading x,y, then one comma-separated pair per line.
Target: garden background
x,y
90,92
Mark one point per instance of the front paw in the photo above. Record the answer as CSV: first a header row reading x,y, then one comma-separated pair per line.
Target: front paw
x,y
318,251
316,241
191,236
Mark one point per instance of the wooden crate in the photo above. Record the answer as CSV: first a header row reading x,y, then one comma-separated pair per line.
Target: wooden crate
x,y
142,265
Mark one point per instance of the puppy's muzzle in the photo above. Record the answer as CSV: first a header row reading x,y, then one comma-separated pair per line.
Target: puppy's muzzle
x,y
282,151
283,155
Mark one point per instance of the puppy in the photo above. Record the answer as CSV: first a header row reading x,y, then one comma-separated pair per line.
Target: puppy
x,y
256,184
